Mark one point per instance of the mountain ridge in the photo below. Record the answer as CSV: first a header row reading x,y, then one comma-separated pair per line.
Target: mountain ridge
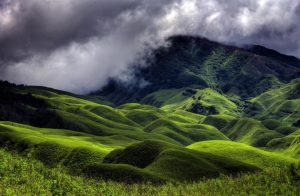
x,y
198,62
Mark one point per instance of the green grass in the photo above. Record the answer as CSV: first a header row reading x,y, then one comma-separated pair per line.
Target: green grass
x,y
141,114
20,133
244,153
74,113
213,120
281,103
219,121
55,147
24,176
250,131
137,143
183,132
185,117
289,144
146,114
84,153
185,99
176,163
140,155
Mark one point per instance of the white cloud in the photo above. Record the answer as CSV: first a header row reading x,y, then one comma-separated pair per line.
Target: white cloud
x,y
77,45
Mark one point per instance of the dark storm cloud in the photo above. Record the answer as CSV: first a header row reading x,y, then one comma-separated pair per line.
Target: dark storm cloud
x,y
46,25
77,45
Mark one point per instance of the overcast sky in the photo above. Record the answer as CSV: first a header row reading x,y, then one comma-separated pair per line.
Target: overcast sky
x,y
76,45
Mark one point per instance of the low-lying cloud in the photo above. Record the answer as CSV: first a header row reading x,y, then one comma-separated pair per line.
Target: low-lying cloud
x,y
77,45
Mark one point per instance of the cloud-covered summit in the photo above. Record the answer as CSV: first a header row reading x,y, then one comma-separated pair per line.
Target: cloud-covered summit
x,y
76,45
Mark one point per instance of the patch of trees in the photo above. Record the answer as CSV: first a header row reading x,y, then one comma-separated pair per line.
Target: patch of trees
x,y
204,110
24,107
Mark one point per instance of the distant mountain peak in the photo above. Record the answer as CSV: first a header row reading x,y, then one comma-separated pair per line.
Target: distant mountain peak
x,y
191,61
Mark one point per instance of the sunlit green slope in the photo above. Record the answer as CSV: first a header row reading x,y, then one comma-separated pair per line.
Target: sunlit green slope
x,y
23,176
193,133
242,152
205,101
281,103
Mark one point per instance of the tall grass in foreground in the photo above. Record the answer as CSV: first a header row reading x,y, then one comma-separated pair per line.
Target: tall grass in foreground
x,y
21,176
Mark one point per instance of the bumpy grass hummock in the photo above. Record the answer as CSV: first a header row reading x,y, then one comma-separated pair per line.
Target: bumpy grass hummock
x,y
176,163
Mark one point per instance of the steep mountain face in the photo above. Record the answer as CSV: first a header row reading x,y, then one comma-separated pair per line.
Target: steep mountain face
x,y
199,63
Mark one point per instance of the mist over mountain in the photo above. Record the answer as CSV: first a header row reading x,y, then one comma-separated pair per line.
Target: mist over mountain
x,y
78,45
197,62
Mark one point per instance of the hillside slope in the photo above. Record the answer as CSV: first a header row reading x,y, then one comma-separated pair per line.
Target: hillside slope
x,y
200,63
102,141
207,109
281,103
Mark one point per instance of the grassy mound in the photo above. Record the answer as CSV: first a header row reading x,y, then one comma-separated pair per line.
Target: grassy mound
x,y
141,114
17,133
140,154
184,133
188,165
243,153
174,162
54,147
250,131
218,121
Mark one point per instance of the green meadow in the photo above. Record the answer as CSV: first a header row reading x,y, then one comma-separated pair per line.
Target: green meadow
x,y
212,120
57,143
22,175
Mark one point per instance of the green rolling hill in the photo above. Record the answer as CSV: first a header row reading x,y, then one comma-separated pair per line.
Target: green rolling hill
x,y
210,113
243,152
280,103
137,142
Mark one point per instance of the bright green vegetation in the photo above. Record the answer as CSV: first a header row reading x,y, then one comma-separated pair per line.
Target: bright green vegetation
x,y
174,162
140,143
289,144
243,152
206,101
21,175
250,131
219,121
213,120
184,133
282,103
